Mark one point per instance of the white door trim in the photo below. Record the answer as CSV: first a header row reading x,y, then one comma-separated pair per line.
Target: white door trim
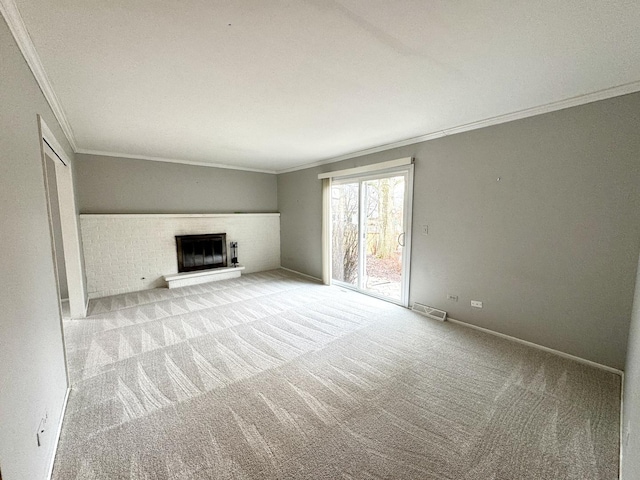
x,y
408,233
68,218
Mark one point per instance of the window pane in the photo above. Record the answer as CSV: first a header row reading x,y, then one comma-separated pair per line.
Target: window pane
x,y
344,212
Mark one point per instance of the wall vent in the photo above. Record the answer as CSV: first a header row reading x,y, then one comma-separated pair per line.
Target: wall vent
x,y
430,312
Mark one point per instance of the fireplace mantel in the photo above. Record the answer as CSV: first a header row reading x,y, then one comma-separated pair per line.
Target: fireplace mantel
x,y
175,215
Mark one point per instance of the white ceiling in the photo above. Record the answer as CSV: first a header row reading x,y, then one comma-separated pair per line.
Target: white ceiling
x,y
271,85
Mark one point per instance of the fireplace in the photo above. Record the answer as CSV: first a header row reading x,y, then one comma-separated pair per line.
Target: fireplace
x,y
201,252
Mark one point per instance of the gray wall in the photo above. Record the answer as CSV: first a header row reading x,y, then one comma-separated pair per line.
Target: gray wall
x,y
631,420
125,185
31,357
550,249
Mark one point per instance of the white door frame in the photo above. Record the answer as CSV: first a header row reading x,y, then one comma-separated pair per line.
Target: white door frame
x,y
68,219
362,177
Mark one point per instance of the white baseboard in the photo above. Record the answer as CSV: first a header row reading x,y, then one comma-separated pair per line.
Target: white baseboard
x,y
540,347
55,447
315,279
621,424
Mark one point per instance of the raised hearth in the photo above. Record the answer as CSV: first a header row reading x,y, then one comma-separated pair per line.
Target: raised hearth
x,y
203,276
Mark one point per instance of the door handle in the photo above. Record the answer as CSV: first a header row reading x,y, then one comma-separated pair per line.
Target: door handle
x,y
401,235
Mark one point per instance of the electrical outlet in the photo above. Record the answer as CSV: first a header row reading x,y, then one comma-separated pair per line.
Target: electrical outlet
x,y
453,298
476,303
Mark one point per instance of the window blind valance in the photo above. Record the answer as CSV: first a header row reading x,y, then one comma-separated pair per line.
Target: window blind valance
x,y
374,167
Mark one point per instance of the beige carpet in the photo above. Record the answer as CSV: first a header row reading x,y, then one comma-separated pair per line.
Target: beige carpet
x,y
271,376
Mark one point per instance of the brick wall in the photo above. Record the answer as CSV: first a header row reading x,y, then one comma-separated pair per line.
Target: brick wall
x,y
126,253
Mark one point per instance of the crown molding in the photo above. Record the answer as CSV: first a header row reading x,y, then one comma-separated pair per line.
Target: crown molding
x,y
172,160
10,12
509,117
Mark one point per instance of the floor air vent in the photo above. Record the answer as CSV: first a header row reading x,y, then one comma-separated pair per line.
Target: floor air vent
x,y
430,312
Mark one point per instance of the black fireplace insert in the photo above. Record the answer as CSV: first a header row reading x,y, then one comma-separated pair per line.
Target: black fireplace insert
x,y
201,252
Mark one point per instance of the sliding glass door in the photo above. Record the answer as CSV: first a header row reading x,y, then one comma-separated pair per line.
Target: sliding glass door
x,y
369,243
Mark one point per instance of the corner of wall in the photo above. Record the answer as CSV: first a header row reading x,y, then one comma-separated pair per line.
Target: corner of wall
x,y
630,435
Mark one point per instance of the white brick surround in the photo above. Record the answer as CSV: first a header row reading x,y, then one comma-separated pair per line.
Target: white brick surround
x,y
126,253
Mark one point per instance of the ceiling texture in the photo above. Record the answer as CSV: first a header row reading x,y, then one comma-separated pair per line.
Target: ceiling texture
x,y
273,85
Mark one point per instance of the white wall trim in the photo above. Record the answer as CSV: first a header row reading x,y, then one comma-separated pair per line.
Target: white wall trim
x,y
327,229
621,439
374,167
408,236
315,279
55,445
509,117
48,135
20,33
539,347
173,160
68,217
175,215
